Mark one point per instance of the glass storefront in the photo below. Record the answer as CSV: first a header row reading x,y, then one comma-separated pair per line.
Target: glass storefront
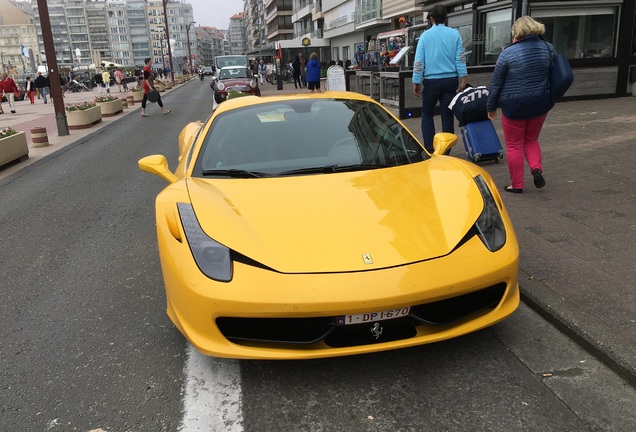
x,y
581,32
497,34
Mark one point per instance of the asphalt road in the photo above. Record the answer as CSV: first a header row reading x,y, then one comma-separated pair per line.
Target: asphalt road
x,y
86,345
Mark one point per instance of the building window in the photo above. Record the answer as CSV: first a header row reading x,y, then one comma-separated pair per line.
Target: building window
x,y
463,23
497,34
581,32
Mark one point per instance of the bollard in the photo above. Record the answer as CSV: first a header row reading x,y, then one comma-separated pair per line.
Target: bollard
x,y
39,136
131,100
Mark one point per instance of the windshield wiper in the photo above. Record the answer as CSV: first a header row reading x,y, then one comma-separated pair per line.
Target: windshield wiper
x,y
328,169
236,173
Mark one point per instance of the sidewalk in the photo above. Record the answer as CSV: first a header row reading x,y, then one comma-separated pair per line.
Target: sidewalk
x,y
28,116
577,235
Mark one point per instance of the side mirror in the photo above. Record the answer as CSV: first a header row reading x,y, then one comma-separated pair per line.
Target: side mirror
x,y
443,142
157,165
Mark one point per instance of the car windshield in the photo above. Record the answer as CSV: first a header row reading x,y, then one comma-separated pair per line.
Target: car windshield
x,y
305,137
233,73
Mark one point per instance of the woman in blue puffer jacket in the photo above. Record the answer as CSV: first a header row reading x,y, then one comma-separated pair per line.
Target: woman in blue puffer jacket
x,y
520,83
313,73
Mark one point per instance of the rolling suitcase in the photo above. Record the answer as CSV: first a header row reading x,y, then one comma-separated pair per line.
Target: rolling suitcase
x,y
481,141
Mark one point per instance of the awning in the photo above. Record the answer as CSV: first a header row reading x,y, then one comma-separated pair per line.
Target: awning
x,y
390,34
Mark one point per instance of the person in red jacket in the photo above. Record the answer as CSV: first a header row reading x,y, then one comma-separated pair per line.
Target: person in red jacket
x,y
10,89
148,84
29,89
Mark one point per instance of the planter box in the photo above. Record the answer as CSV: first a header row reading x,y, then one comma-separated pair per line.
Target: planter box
x,y
111,108
13,147
138,96
83,119
160,87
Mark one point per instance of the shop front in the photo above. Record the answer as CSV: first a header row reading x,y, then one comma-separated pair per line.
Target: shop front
x,y
599,38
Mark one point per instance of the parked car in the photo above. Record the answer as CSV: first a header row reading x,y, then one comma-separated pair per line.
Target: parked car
x,y
234,78
305,226
315,225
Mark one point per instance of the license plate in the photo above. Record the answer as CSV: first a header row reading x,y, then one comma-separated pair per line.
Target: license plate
x,y
373,316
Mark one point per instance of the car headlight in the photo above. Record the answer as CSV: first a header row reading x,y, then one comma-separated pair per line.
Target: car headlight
x,y
220,86
211,256
490,225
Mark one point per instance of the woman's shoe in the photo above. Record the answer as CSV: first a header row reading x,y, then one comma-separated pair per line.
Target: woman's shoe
x,y
539,181
510,189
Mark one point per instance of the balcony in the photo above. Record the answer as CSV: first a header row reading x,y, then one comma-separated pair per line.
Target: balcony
x,y
309,32
340,22
369,13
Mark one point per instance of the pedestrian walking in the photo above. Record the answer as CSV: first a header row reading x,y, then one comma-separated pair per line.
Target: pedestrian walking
x,y
262,71
8,86
29,89
42,83
313,73
138,75
521,84
106,80
296,72
148,85
439,70
118,78
303,70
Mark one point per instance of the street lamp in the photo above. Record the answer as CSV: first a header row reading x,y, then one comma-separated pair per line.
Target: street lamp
x,y
188,26
163,57
165,17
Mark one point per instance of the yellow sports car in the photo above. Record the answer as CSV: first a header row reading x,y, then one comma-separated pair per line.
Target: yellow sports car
x,y
315,225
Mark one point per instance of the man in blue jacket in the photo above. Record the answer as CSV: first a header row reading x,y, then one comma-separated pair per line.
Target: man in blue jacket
x,y
440,68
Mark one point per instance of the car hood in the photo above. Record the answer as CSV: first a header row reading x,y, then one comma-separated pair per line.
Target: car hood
x,y
341,222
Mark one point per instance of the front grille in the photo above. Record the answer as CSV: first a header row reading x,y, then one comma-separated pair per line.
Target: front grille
x,y
305,331
444,312
277,330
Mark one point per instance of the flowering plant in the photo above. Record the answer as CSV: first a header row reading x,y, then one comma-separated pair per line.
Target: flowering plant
x,y
105,98
7,132
82,106
136,88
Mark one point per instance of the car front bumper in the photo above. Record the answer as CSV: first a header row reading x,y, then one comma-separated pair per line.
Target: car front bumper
x,y
256,295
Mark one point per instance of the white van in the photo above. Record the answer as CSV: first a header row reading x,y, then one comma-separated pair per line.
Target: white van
x,y
230,60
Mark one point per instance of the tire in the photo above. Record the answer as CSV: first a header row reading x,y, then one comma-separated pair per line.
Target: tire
x,y
217,98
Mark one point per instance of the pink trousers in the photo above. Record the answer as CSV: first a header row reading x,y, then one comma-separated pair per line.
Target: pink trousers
x,y
522,140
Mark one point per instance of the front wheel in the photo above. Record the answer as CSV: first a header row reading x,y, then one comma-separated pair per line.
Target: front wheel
x,y
217,98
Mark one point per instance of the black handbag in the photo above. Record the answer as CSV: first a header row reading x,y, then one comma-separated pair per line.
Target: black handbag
x,y
561,75
153,96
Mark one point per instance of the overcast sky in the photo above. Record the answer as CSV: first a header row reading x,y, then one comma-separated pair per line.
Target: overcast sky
x,y
215,13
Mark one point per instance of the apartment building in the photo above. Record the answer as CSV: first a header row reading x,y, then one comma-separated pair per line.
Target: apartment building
x,y
123,32
19,51
236,34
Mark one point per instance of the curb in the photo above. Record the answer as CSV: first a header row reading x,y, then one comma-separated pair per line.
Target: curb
x,y
612,349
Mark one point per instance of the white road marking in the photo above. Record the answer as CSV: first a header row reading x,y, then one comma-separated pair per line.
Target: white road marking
x,y
212,400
